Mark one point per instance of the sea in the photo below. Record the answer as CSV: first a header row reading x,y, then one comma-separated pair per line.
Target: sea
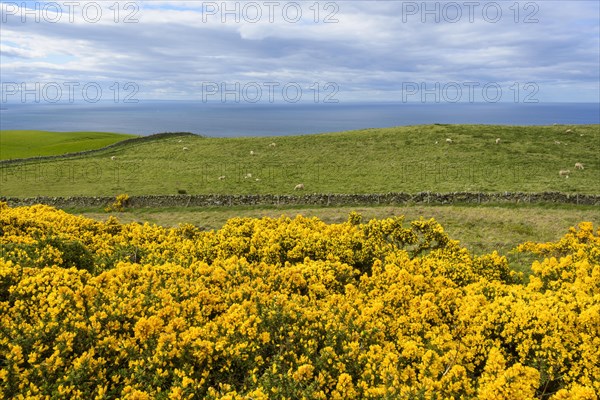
x,y
235,120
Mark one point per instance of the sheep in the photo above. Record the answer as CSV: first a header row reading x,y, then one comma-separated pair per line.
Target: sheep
x,y
498,141
436,142
257,179
272,145
449,141
113,158
299,186
568,131
180,141
251,152
222,177
248,176
556,142
578,165
185,149
564,172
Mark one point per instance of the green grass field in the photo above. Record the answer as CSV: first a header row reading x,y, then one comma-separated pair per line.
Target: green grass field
x,y
24,144
400,159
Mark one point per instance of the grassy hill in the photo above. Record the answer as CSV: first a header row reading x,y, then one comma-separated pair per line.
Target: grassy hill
x,y
407,159
23,144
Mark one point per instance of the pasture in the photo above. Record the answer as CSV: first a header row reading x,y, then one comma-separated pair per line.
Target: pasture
x,y
24,144
400,159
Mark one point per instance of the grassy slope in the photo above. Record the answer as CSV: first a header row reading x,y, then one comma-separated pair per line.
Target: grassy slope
x,y
22,144
367,161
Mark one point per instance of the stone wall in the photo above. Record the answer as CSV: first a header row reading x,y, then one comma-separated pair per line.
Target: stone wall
x,y
314,199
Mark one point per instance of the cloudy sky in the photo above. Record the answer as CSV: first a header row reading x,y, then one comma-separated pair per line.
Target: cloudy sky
x,y
343,50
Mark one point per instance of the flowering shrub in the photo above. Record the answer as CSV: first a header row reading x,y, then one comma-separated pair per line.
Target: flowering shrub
x,y
119,203
289,308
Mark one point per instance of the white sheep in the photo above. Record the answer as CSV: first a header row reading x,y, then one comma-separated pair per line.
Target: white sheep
x,y
564,172
248,176
299,186
272,145
578,165
113,158
252,153
180,141
568,131
449,141
185,149
498,141
556,142
222,177
257,179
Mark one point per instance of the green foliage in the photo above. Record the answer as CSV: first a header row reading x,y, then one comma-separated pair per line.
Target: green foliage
x,y
72,253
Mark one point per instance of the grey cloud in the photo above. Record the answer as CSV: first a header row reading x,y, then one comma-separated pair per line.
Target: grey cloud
x,y
371,49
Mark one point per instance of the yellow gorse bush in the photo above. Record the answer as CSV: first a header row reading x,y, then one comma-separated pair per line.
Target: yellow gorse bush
x,y
289,309
119,204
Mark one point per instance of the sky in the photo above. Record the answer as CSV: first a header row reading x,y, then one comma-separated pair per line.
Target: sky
x,y
301,51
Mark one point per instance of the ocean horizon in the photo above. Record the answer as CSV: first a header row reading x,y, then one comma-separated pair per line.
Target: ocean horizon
x,y
235,120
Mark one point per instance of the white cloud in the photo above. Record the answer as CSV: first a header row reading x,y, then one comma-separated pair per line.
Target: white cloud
x,y
370,52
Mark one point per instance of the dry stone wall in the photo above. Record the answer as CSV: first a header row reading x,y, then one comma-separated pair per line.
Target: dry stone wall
x,y
314,199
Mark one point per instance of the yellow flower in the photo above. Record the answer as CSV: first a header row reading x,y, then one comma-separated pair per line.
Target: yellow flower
x,y
290,308
304,373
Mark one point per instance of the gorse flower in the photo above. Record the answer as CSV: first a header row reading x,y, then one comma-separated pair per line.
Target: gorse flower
x,y
289,309
119,204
